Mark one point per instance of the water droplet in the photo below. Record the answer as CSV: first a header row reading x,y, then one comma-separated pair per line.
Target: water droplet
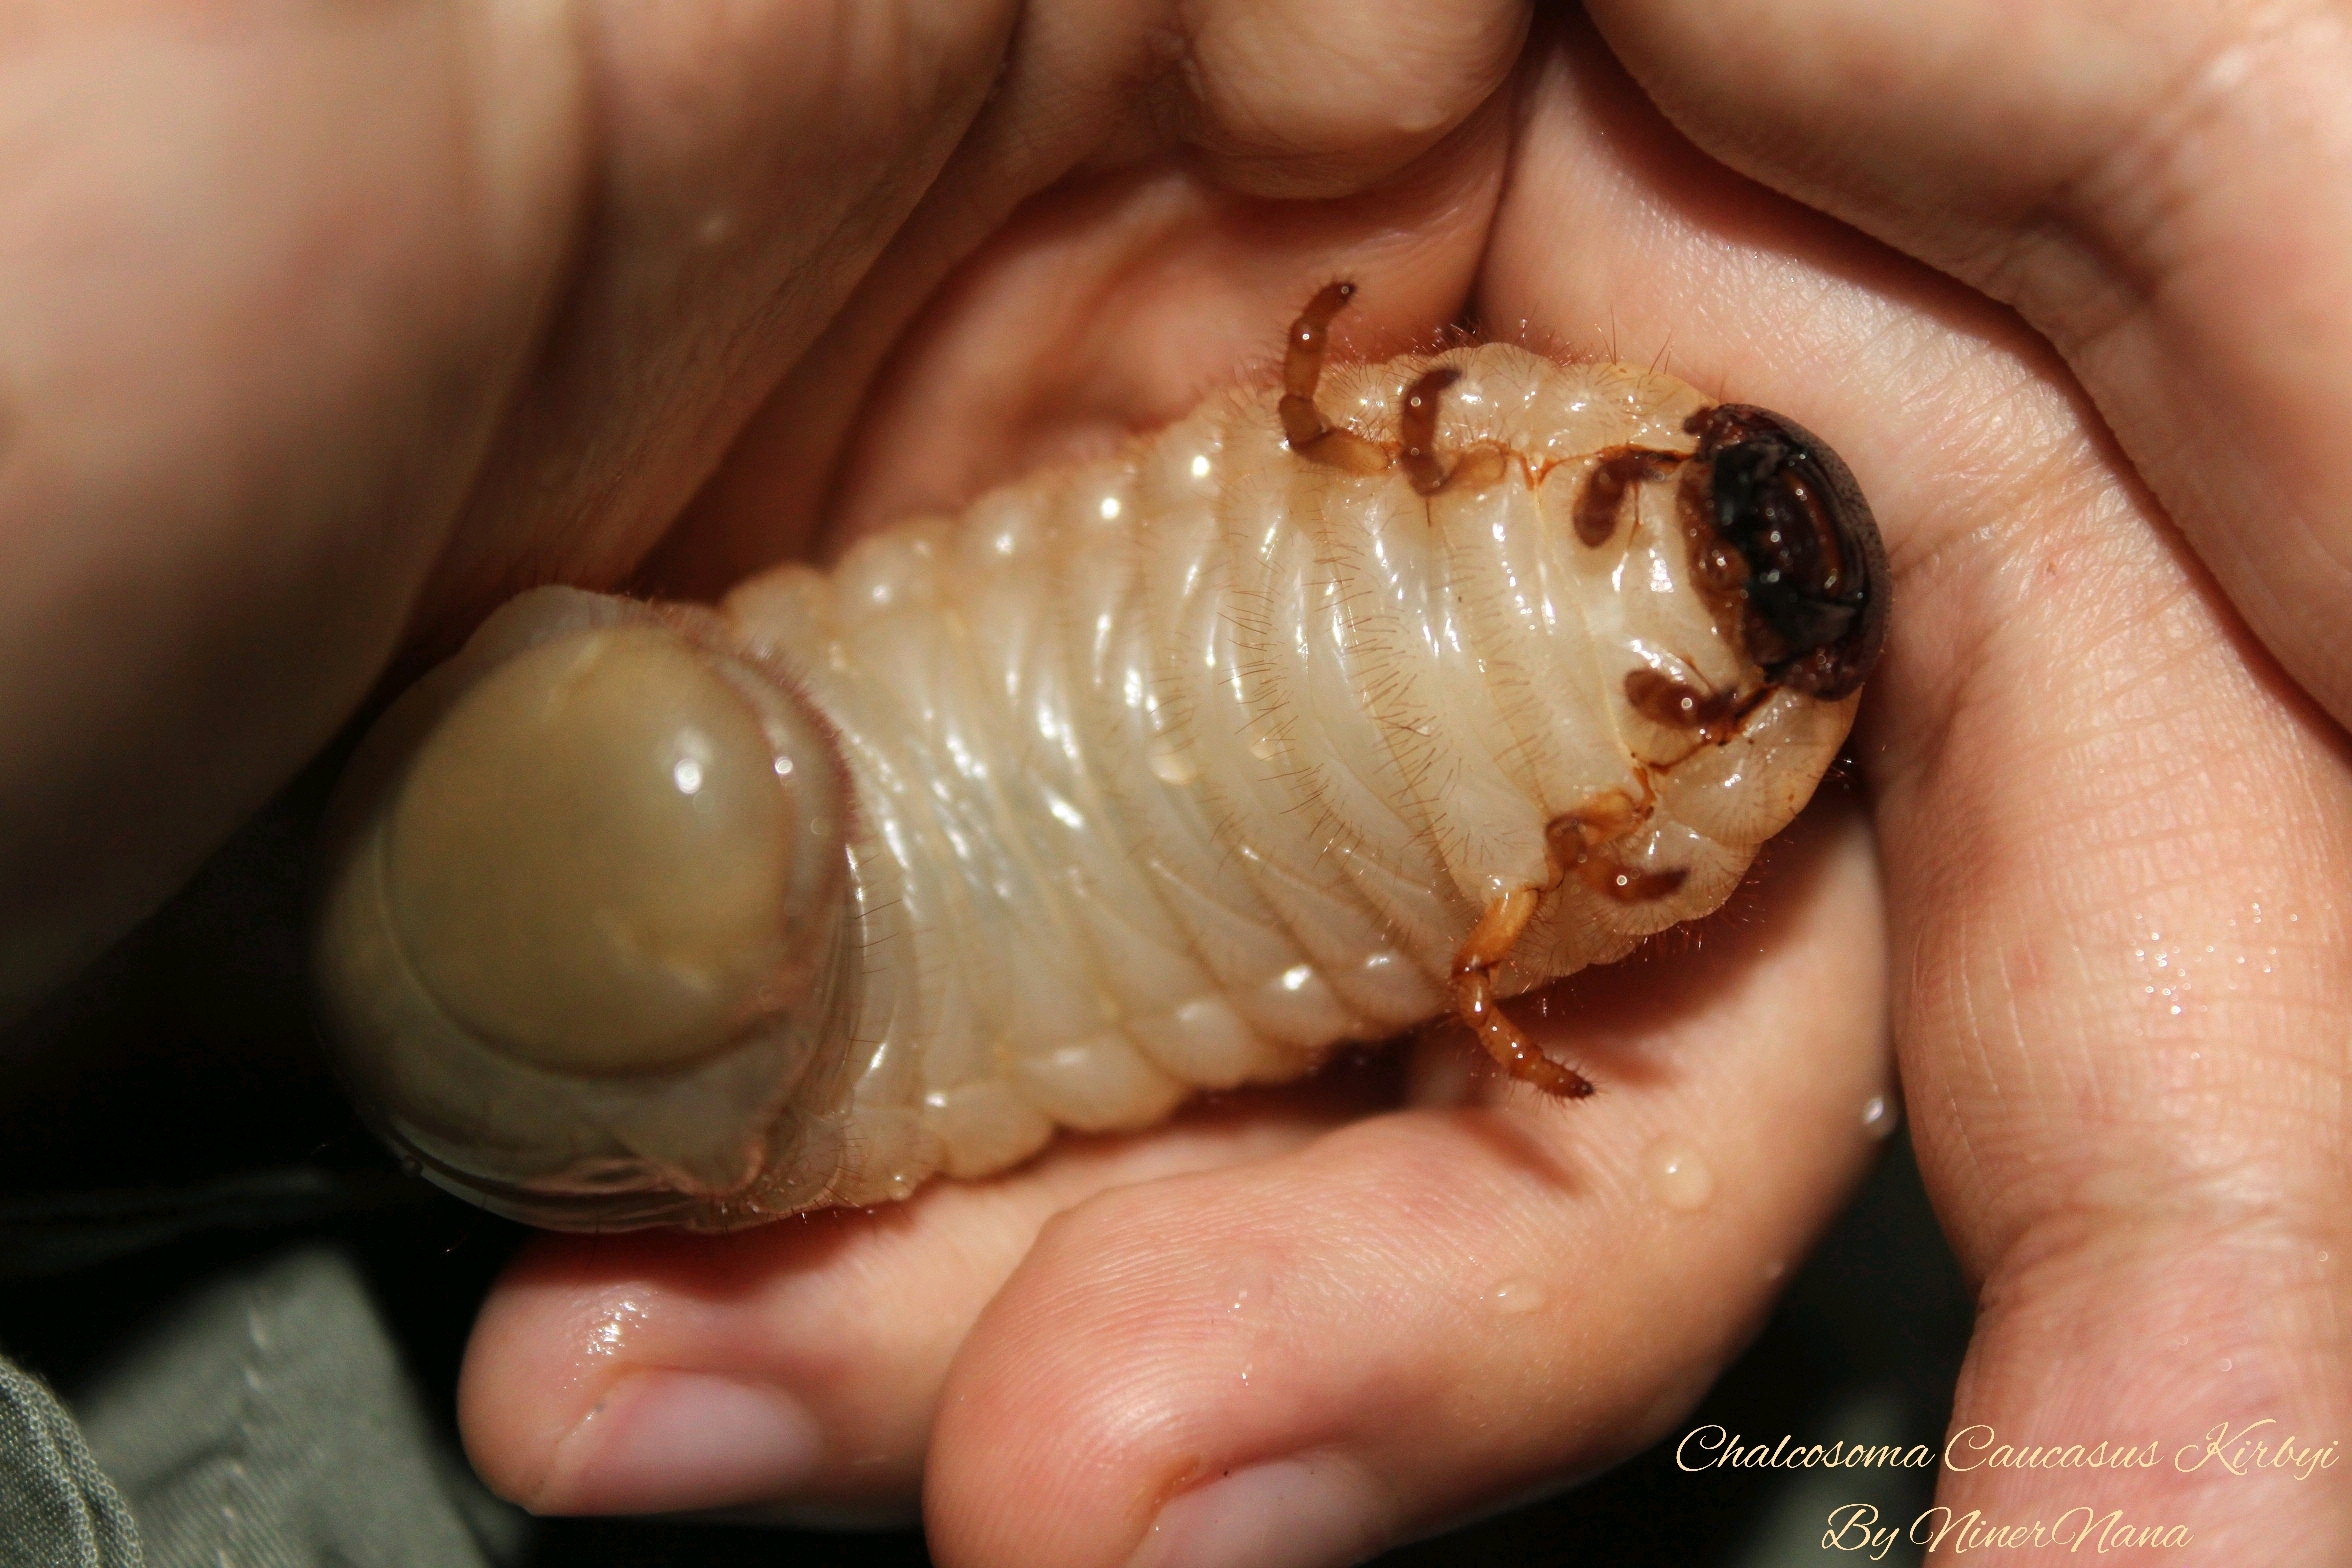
x,y
2227,1364
1774,1268
1880,1116
1248,1288
1677,1175
606,1337
1516,1297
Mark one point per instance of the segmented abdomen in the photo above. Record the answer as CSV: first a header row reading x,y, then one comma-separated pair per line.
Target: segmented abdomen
x,y
1173,770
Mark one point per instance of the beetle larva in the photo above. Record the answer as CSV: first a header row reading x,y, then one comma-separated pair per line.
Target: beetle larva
x,y
1299,722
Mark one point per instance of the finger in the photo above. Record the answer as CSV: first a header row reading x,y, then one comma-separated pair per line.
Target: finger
x,y
1304,1360
248,368
798,1364
1251,142
754,162
2165,191
328,329
1315,99
2114,837
1106,310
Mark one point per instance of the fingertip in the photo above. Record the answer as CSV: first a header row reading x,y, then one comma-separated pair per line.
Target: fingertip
x,y
1309,1511
1307,99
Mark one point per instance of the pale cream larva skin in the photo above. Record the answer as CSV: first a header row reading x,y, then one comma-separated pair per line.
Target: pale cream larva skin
x,y
1161,773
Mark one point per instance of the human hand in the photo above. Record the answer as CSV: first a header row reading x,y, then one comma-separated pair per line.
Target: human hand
x,y
2113,808
2110,829
1058,1387
332,328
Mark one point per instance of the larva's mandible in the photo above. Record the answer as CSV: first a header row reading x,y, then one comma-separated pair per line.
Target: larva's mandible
x,y
1311,717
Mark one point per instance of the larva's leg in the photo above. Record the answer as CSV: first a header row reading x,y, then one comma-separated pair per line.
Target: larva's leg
x,y
1577,838
1603,495
1417,442
1310,435
1489,943
1715,716
1417,430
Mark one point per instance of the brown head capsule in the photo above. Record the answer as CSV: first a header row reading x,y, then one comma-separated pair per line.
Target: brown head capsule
x,y
1816,575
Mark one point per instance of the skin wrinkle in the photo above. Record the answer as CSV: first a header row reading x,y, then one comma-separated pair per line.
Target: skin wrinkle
x,y
2126,200
2018,589
2157,1153
2146,172
2128,838
1981,467
2081,1233
1146,1410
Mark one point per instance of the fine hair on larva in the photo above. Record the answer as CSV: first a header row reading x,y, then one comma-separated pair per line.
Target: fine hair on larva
x,y
1316,715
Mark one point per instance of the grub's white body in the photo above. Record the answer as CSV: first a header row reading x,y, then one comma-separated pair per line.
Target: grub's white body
x,y
1172,770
